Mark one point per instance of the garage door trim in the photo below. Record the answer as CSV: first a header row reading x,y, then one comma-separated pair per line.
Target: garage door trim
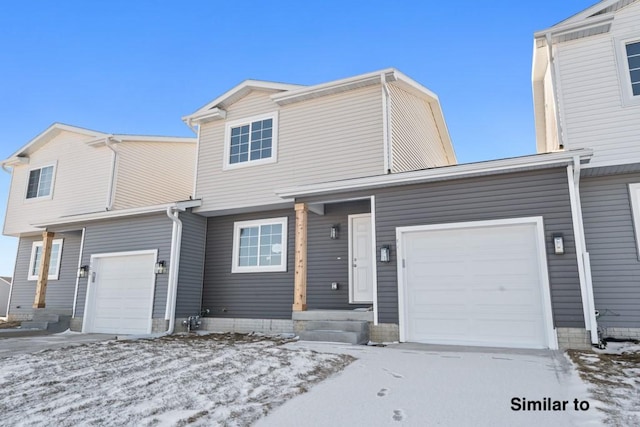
x,y
91,286
552,340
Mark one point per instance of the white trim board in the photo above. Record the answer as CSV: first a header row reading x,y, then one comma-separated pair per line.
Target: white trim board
x,y
634,196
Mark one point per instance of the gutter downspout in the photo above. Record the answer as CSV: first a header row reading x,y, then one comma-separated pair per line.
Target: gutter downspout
x,y
112,177
75,294
554,87
174,268
386,125
582,256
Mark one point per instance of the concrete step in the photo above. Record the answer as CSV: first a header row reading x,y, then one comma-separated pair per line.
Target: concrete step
x,y
56,323
334,336
337,325
39,316
34,325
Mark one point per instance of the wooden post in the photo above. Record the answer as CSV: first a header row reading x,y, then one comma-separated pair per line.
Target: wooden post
x,y
43,272
300,278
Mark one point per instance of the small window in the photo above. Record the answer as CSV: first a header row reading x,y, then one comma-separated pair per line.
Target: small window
x,y
628,61
260,246
250,142
633,62
54,262
40,182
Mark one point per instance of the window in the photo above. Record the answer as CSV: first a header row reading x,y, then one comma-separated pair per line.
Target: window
x,y
260,245
40,182
628,56
54,262
633,62
251,141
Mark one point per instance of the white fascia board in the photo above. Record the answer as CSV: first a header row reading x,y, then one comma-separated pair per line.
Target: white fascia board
x,y
148,138
568,27
182,205
580,16
491,167
205,116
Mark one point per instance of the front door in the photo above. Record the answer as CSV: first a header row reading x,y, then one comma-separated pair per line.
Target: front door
x,y
360,258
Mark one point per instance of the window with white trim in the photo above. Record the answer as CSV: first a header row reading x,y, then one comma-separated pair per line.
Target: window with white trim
x,y
628,59
251,141
40,182
260,245
632,50
54,261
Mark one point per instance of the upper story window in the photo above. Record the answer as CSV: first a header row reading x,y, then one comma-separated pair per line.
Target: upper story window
x,y
54,261
260,245
40,182
251,141
633,61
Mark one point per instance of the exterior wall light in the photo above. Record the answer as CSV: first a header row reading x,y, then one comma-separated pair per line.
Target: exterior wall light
x,y
161,267
385,253
558,244
335,230
83,271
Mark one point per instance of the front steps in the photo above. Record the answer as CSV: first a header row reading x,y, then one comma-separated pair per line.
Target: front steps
x,y
48,321
345,331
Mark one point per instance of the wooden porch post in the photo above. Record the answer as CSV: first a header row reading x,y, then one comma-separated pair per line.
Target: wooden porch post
x,y
43,272
300,278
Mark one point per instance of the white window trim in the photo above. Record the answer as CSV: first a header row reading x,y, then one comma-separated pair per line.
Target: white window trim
x,y
33,256
53,183
227,141
235,266
634,194
628,99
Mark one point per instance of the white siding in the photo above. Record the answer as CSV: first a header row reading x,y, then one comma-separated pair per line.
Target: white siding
x,y
416,142
593,112
152,173
550,113
80,183
325,139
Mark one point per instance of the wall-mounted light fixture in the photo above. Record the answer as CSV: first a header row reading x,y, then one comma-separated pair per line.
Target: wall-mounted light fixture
x,y
161,267
385,253
335,231
83,271
558,244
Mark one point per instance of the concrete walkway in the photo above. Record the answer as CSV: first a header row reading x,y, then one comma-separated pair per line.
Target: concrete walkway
x,y
420,385
34,342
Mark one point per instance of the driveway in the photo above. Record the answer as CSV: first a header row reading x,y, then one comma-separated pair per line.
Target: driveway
x,y
13,344
419,385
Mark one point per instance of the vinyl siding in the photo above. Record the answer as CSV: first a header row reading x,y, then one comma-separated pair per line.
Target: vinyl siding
x,y
534,193
152,173
129,234
550,113
329,138
245,295
59,294
191,274
611,243
80,170
416,142
594,115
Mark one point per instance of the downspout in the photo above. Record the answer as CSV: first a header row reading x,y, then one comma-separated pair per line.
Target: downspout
x,y
112,177
582,256
174,265
75,294
554,89
386,125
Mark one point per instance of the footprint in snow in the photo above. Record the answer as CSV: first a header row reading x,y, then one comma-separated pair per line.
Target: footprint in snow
x,y
398,415
383,392
393,374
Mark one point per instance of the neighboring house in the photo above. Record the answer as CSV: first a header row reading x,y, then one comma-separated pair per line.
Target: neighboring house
x,y
5,290
586,86
102,201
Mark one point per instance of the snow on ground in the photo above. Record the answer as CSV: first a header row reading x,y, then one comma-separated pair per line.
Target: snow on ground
x,y
199,380
613,375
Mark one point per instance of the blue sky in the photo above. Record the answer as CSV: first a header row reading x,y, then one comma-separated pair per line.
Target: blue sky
x,y
138,66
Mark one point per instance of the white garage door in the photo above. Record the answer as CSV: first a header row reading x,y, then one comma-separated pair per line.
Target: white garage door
x,y
120,298
475,284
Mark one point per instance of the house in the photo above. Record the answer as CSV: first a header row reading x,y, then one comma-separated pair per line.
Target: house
x,y
336,205
586,87
5,289
97,216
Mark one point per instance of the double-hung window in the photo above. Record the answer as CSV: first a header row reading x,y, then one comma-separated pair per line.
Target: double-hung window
x,y
54,261
628,55
633,62
251,141
260,246
40,183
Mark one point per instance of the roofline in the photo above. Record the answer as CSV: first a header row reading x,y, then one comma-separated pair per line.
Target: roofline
x,y
585,13
75,219
491,167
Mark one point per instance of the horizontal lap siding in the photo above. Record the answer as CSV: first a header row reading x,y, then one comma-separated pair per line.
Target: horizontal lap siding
x,y
328,260
130,234
190,277
59,294
245,295
611,243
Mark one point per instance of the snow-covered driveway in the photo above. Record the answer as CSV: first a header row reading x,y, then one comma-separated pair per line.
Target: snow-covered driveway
x,y
207,380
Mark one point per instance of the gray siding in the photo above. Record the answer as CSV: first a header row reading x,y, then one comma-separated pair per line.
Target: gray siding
x,y
245,295
328,260
59,295
611,243
190,277
534,193
129,234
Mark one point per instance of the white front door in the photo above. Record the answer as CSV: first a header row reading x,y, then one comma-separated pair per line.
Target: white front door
x,y
360,257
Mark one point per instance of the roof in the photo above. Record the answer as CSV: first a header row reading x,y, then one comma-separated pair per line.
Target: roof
x,y
5,280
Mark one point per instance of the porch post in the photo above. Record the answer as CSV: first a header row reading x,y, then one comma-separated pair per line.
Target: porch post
x,y
300,278
43,272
